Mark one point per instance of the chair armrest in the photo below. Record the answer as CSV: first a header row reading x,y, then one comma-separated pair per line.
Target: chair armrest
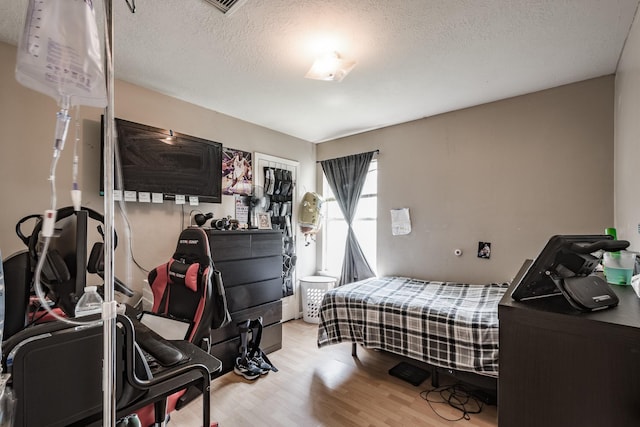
x,y
164,375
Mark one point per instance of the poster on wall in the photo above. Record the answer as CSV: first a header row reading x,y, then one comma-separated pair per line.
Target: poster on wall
x,y
484,250
236,172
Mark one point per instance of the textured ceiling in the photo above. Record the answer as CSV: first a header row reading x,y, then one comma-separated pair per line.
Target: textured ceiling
x,y
415,58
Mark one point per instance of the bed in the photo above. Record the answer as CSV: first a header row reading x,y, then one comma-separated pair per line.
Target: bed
x,y
448,325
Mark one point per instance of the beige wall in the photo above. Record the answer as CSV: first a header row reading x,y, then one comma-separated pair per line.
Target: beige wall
x,y
627,140
27,120
512,172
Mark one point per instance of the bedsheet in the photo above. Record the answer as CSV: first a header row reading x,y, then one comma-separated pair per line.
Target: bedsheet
x,y
450,325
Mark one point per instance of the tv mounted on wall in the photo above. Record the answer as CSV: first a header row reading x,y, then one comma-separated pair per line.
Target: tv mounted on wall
x,y
156,160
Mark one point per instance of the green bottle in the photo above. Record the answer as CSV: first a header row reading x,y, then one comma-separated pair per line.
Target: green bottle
x,y
611,232
614,234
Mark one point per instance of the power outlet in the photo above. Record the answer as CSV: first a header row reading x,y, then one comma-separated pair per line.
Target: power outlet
x,y
638,228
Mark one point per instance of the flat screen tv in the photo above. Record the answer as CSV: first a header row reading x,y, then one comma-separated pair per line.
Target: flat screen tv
x,y
157,160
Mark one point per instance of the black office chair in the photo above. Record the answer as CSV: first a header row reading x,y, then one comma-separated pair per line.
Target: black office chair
x,y
17,279
56,374
63,277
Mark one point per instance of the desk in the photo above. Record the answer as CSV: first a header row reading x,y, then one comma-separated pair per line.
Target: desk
x,y
561,367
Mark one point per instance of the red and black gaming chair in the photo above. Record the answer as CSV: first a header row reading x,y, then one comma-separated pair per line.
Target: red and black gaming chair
x,y
182,289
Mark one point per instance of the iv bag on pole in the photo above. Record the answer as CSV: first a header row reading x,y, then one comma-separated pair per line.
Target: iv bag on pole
x,y
59,53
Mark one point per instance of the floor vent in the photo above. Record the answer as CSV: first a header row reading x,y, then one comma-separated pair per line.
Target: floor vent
x,y
226,6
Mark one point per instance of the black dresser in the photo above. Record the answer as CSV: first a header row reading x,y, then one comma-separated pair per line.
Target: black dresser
x,y
251,265
560,367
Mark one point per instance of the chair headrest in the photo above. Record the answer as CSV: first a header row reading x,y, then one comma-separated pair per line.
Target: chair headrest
x,y
193,246
184,274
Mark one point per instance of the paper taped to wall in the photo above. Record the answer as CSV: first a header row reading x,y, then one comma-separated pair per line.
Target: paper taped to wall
x,y
400,221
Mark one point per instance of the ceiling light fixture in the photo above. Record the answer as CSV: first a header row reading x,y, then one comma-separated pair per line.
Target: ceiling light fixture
x,y
330,67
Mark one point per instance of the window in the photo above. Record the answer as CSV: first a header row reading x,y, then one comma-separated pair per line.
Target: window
x,y
364,224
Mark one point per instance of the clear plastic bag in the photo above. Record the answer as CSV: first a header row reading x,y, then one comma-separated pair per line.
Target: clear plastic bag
x,y
59,53
7,402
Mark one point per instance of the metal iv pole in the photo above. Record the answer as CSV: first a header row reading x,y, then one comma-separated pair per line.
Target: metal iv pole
x,y
109,306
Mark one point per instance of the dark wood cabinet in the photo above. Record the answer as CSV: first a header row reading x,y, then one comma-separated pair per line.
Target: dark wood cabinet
x,y
251,265
561,367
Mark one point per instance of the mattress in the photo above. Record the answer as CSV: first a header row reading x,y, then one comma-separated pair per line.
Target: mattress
x,y
449,325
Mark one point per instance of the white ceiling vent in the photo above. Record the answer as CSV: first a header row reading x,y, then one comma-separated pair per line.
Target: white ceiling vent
x,y
226,6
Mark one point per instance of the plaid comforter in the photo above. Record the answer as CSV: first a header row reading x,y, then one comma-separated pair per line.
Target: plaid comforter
x,y
450,325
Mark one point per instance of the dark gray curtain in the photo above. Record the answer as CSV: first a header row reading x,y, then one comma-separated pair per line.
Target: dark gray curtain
x,y
346,176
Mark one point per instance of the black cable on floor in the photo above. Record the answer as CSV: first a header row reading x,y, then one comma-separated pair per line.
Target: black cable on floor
x,y
457,397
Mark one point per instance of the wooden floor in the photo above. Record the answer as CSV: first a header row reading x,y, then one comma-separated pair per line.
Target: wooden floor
x,y
324,387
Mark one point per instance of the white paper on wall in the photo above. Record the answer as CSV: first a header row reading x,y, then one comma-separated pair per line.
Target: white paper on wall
x,y
144,197
400,221
242,209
